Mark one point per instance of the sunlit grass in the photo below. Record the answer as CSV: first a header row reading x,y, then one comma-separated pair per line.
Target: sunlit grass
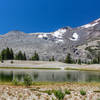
x,y
82,69
53,83
30,68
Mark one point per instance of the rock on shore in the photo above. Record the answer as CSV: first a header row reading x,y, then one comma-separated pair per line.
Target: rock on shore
x,y
38,92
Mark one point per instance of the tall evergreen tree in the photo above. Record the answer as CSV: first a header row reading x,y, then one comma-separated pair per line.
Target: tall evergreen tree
x,y
3,54
11,54
52,59
24,56
79,61
35,57
68,59
95,61
7,54
19,56
0,58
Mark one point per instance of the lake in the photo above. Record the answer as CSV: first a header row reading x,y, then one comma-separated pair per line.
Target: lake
x,y
7,75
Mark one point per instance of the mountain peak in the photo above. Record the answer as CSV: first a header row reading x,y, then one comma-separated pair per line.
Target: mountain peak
x,y
15,32
92,24
98,20
67,27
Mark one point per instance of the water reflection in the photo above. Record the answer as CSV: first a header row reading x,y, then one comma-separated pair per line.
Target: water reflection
x,y
57,76
35,75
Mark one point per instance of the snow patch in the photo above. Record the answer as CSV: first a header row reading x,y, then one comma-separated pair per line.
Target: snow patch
x,y
59,33
89,25
75,37
42,35
97,20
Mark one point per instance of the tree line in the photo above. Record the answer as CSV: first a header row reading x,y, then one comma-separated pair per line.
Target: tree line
x,y
95,60
8,54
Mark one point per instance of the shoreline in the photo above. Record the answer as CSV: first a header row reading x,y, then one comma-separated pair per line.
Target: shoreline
x,y
30,68
46,65
53,68
41,83
82,69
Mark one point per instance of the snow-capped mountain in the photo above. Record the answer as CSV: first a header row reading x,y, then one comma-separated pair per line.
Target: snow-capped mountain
x,y
57,36
57,43
92,24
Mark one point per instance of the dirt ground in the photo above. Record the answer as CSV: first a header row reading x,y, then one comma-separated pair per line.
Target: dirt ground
x,y
47,64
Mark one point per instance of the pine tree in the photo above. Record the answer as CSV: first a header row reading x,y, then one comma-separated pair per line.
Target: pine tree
x,y
79,61
68,59
35,57
95,61
11,54
24,56
52,59
19,56
3,54
7,54
0,58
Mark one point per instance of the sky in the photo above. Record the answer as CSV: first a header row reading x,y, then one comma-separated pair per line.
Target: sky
x,y
32,16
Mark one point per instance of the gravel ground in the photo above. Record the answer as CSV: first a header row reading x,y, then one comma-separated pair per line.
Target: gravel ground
x,y
34,92
47,64
36,64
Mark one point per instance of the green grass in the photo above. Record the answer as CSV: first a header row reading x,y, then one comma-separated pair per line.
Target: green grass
x,y
52,83
29,68
59,94
67,92
49,92
82,92
82,69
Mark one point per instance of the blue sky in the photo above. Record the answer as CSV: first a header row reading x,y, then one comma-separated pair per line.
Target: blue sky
x,y
46,15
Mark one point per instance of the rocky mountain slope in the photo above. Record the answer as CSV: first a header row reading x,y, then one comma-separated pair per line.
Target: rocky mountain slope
x,y
76,41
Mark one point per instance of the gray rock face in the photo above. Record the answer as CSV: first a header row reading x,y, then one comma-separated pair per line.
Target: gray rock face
x,y
57,44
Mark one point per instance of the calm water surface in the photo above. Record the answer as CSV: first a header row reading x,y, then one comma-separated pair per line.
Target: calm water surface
x,y
50,75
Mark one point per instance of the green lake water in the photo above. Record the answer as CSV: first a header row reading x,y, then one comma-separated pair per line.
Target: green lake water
x,y
50,75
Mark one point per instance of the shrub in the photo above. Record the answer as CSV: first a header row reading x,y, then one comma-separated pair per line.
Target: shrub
x,y
12,62
2,61
59,94
67,92
53,98
82,92
27,80
49,92
15,82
